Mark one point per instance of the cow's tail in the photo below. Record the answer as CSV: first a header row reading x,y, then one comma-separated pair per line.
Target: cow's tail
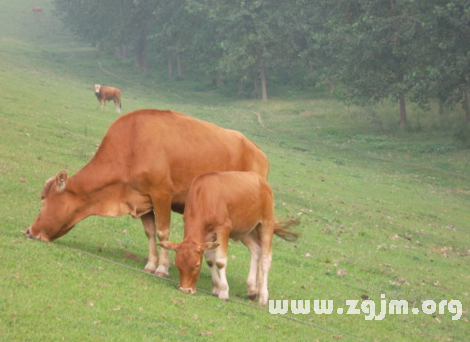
x,y
282,229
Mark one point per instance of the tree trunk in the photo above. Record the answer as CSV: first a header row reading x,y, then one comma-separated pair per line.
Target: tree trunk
x,y
240,86
255,88
141,56
262,75
178,66
169,56
331,86
441,108
466,106
402,111
217,80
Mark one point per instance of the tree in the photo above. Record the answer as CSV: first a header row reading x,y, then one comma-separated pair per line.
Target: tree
x,y
252,42
377,39
450,63
110,24
406,50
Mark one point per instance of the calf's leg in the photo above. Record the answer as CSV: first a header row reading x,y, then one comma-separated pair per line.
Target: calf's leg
x,y
266,237
223,236
211,262
253,245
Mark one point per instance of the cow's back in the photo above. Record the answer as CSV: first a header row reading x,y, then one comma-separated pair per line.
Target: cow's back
x,y
152,147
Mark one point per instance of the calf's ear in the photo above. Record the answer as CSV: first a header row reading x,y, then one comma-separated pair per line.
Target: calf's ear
x,y
171,246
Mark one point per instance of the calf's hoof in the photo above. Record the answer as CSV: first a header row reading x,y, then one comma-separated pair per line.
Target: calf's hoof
x,y
225,298
161,274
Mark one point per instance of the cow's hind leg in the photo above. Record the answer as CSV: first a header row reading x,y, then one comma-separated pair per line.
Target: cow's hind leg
x,y
253,244
148,220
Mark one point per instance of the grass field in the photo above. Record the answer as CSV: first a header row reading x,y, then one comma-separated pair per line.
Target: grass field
x,y
382,211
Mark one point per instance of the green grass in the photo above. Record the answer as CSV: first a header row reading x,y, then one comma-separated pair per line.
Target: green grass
x,y
382,211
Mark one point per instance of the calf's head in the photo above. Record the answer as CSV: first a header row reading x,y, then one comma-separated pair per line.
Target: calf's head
x,y
188,260
57,214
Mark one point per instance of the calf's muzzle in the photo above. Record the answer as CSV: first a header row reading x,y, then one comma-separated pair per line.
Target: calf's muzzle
x,y
187,290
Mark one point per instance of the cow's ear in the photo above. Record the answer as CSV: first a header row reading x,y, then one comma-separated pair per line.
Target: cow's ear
x,y
47,187
171,246
211,245
61,181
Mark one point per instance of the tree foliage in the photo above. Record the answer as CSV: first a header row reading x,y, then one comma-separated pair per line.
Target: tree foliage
x,y
377,49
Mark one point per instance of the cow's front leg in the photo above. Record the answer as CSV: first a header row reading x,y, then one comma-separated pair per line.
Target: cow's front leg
x,y
162,210
148,220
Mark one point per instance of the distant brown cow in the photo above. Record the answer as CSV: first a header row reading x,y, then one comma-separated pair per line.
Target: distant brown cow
x,y
37,9
223,205
144,167
104,94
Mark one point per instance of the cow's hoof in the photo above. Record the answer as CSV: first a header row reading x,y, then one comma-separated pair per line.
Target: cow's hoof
x,y
162,271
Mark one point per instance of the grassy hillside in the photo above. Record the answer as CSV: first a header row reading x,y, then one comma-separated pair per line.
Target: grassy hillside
x,y
382,211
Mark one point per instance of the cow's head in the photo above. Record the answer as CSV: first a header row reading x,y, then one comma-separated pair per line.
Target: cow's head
x,y
57,215
188,260
97,89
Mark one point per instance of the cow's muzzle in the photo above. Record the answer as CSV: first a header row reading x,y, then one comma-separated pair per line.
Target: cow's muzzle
x,y
27,234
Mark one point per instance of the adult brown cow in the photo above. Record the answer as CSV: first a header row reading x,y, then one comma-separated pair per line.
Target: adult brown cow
x,y
223,205
144,167
104,94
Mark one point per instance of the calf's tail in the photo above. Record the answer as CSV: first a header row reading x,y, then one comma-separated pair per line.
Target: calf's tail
x,y
282,229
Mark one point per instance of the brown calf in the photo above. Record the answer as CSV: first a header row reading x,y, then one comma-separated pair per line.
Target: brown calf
x,y
104,94
37,9
223,205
